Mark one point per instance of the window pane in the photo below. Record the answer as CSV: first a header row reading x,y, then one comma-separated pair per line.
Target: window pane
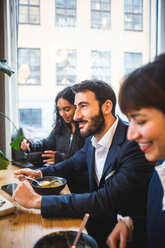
x,y
100,65
23,1
35,2
133,19
105,20
66,13
34,15
28,66
29,11
66,68
128,2
138,9
95,5
137,22
60,3
100,14
105,6
71,3
30,117
23,14
128,8
132,61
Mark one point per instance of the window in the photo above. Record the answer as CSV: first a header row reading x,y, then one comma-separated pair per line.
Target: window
x,y
65,13
28,66
54,55
132,61
66,67
29,11
133,15
100,68
30,117
100,14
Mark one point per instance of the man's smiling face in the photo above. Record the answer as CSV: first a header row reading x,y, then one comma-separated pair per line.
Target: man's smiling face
x,y
88,113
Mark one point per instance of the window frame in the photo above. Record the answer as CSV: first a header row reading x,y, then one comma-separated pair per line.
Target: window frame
x,y
66,9
100,12
128,70
28,5
39,71
62,67
106,77
133,17
30,124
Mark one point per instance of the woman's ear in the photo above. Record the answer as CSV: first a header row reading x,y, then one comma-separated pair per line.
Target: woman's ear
x,y
107,107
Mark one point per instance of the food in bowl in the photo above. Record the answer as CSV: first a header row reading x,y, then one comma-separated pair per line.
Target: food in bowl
x,y
51,184
48,189
65,239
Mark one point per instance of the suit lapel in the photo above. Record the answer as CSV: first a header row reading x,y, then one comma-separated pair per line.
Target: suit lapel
x,y
114,150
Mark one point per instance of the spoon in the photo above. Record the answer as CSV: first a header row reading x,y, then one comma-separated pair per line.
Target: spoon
x,y
32,179
42,184
83,223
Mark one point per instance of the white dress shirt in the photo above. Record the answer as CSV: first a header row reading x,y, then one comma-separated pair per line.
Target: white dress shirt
x,y
161,172
101,150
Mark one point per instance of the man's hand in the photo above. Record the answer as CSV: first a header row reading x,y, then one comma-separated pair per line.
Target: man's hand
x,y
50,157
119,235
25,145
26,196
27,172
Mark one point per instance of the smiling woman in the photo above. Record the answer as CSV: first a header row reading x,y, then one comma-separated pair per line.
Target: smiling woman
x,y
141,98
144,129
65,139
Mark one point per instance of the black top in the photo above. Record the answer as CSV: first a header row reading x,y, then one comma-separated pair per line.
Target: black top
x,y
65,144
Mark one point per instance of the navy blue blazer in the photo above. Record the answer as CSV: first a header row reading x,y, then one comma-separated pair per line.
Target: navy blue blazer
x,y
154,222
122,189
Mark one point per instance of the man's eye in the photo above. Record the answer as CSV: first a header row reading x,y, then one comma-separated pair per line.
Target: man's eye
x,y
83,105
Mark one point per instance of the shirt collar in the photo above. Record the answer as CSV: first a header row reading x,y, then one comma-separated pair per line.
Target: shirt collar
x,y
106,140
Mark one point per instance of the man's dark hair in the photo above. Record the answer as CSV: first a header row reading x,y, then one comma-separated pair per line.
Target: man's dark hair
x,y
102,91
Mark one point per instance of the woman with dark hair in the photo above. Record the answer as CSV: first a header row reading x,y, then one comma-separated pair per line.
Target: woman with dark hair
x,y
65,139
142,99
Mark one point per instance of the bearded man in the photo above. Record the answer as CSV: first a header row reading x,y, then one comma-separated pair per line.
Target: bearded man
x,y
118,172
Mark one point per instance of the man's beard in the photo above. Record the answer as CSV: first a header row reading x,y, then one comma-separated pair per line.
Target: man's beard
x,y
96,124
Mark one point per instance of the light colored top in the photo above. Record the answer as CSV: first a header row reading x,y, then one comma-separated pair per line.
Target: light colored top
x,y
161,172
101,150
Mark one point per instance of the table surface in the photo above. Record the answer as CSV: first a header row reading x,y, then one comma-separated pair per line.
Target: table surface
x,y
24,227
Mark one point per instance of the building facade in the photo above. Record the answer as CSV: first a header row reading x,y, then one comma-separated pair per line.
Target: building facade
x,y
62,42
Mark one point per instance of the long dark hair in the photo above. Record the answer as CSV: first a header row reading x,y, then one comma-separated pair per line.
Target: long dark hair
x,y
144,87
59,124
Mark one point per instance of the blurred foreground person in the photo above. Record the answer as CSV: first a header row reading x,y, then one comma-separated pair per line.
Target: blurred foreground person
x,y
142,99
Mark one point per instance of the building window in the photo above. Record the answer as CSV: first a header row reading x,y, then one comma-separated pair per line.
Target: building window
x,y
29,11
30,117
133,15
65,13
100,14
66,67
28,66
132,61
101,65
